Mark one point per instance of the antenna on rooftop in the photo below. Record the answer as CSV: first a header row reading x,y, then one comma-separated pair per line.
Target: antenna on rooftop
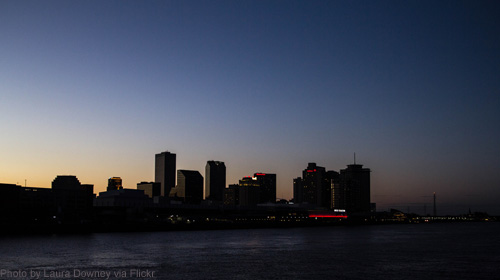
x,y
354,158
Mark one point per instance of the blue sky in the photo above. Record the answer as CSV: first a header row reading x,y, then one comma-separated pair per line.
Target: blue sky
x,y
96,88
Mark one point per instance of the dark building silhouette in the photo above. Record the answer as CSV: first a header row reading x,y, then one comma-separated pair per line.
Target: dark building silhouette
x,y
354,189
38,205
37,199
215,180
332,179
315,185
114,183
9,201
189,186
151,189
122,198
338,195
165,172
67,202
232,195
259,189
21,205
117,196
249,191
73,200
267,187
312,181
297,190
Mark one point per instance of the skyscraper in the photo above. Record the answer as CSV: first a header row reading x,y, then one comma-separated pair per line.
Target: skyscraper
x,y
267,185
330,181
355,185
338,195
297,190
313,184
249,191
165,172
232,195
189,186
215,180
114,183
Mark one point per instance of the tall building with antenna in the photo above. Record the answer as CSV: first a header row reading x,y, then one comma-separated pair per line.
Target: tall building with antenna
x,y
354,188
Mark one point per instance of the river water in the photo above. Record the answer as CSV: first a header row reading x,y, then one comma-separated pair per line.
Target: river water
x,y
406,251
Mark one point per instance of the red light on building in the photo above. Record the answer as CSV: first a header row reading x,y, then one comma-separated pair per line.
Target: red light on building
x,y
260,174
326,216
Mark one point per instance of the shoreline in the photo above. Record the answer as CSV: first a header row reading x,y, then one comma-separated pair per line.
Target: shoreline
x,y
90,228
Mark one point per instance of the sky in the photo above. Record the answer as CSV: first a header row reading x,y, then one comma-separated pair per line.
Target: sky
x,y
96,88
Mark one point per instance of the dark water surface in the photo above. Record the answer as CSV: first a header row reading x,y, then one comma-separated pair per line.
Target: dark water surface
x,y
409,251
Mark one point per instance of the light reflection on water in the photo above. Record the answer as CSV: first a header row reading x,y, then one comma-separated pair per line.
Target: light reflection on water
x,y
444,251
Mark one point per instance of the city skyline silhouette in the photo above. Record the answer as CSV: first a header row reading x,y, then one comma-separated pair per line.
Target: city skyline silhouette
x,y
155,189
93,89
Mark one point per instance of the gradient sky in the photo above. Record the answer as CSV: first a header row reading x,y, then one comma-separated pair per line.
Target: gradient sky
x,y
96,88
